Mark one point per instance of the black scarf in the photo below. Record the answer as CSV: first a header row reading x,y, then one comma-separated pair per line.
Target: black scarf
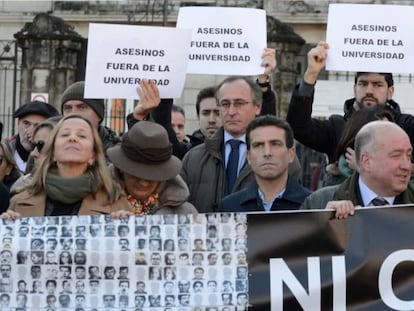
x,y
23,153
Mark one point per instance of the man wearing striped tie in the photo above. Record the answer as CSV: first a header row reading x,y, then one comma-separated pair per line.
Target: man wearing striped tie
x,y
383,155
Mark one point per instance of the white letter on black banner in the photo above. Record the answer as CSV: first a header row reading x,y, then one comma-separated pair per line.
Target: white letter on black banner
x,y
280,273
385,280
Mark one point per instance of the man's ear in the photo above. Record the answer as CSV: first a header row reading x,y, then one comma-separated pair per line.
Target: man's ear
x,y
258,108
364,162
292,154
390,92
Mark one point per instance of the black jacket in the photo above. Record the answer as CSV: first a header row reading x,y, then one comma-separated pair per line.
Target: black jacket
x,y
248,200
109,137
4,198
324,135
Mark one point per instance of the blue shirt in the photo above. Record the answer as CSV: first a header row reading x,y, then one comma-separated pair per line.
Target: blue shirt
x,y
368,195
268,205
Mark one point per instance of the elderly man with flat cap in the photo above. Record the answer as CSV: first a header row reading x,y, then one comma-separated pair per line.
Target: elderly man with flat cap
x,y
28,116
74,102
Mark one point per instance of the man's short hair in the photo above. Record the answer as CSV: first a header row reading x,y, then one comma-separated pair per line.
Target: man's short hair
x,y
269,120
207,92
178,109
388,77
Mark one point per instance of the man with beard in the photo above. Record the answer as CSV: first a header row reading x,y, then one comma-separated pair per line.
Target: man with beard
x,y
270,149
370,90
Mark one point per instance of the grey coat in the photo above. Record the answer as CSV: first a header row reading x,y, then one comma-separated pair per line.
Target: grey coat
x,y
204,172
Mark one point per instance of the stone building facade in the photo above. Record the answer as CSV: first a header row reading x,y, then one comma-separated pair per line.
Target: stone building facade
x,y
293,28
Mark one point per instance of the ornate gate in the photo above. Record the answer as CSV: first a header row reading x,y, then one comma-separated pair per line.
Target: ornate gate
x,y
9,77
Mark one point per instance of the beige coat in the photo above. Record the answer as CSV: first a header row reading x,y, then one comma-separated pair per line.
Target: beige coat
x,y
34,205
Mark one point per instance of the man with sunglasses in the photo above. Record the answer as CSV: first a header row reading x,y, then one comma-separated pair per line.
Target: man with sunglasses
x,y
28,116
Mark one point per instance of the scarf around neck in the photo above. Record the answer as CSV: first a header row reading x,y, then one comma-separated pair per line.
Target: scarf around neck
x,y
68,190
23,153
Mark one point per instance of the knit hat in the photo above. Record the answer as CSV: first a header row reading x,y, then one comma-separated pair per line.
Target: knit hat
x,y
36,107
76,90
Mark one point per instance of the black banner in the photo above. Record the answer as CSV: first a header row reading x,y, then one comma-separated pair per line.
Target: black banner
x,y
311,261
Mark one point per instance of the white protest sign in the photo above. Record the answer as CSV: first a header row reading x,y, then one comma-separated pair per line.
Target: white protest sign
x,y
372,38
225,41
120,55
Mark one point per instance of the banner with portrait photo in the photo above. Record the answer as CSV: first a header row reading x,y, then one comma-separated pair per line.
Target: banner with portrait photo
x,y
168,262
304,260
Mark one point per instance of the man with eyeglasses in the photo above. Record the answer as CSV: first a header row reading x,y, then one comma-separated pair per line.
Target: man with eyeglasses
x,y
218,167
28,116
206,108
204,167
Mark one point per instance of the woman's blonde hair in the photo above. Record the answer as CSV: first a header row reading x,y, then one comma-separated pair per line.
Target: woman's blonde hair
x,y
98,170
8,157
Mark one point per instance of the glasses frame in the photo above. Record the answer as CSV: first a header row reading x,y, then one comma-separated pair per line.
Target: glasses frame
x,y
237,103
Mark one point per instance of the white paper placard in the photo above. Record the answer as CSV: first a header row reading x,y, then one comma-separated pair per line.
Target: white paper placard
x,y
372,38
120,55
225,41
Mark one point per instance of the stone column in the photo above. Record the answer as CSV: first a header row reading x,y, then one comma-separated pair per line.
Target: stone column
x,y
52,53
288,44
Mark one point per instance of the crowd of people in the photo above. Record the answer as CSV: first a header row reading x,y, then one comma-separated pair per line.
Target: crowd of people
x,y
241,159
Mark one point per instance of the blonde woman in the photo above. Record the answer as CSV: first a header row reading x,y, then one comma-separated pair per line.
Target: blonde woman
x,y
71,178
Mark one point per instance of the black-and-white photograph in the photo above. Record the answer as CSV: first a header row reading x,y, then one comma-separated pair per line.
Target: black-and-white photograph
x,y
167,263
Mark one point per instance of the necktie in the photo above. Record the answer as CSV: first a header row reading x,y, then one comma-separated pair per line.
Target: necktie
x,y
379,201
232,164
